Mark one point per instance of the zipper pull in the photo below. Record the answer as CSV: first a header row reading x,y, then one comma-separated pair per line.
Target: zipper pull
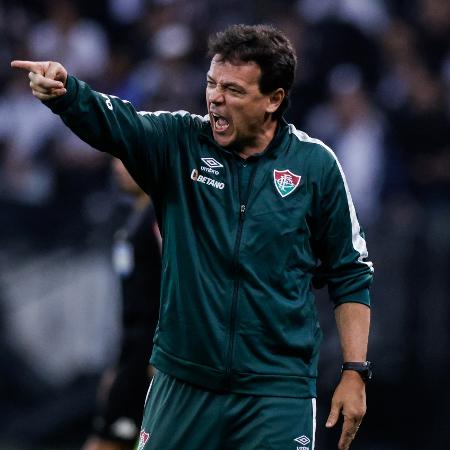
x,y
242,209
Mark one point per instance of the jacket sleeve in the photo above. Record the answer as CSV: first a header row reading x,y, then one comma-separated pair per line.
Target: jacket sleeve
x,y
112,125
339,241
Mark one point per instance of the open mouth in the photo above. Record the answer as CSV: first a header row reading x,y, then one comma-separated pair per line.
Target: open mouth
x,y
220,124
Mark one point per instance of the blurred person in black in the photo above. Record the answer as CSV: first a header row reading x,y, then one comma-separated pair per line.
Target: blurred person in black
x,y
136,259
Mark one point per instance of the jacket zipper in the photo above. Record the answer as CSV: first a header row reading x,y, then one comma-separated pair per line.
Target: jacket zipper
x,y
232,328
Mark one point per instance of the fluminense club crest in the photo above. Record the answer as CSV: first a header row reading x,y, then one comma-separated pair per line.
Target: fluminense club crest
x,y
285,181
143,438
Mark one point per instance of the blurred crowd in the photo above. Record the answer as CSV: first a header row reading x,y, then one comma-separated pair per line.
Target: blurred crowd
x,y
373,82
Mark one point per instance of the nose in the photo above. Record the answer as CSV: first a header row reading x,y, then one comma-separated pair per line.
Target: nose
x,y
215,95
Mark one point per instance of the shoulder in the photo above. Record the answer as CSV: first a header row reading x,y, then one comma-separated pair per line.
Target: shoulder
x,y
318,152
181,118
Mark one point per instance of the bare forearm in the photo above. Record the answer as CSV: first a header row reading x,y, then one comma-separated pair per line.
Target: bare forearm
x,y
353,323
349,398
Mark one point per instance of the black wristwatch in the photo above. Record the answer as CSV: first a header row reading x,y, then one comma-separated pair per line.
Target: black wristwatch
x,y
363,368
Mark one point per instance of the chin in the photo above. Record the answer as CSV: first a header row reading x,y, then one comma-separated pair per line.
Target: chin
x,y
224,141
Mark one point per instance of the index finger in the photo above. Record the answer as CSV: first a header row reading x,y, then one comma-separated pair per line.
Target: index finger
x,y
30,66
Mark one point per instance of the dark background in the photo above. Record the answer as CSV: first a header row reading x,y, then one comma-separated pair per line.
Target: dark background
x,y
373,83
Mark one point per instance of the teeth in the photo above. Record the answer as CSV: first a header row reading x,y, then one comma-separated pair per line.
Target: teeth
x,y
220,123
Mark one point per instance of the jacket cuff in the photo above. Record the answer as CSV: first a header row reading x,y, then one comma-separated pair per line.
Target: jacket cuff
x,y
60,104
361,296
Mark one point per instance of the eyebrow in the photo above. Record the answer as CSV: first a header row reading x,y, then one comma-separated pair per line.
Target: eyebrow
x,y
226,85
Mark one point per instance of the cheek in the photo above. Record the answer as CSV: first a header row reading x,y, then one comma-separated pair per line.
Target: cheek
x,y
251,116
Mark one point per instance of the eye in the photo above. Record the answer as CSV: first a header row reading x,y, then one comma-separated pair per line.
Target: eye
x,y
234,90
210,83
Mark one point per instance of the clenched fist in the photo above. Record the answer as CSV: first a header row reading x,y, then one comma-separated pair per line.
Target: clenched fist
x,y
47,78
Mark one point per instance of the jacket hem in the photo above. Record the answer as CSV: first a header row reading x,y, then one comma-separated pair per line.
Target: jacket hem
x,y
268,385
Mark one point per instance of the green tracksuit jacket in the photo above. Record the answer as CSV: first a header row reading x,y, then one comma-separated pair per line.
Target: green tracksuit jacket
x,y
237,308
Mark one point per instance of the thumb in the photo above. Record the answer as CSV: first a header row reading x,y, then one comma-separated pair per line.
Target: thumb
x,y
333,416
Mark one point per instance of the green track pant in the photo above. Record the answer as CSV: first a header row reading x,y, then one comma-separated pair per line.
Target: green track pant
x,y
180,416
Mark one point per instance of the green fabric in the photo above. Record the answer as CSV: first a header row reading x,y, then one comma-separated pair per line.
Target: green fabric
x,y
181,416
237,307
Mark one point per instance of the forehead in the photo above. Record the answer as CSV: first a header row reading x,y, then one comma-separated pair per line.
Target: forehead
x,y
245,73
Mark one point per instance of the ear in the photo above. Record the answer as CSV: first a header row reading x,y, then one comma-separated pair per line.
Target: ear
x,y
275,99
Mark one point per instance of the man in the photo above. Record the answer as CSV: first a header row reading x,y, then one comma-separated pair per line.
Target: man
x,y
252,212
137,262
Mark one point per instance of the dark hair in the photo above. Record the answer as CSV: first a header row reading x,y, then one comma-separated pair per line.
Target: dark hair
x,y
266,46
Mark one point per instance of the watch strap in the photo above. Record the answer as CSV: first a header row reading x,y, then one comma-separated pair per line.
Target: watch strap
x,y
363,368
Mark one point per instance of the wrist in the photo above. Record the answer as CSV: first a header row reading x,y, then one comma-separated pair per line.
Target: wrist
x,y
351,376
362,369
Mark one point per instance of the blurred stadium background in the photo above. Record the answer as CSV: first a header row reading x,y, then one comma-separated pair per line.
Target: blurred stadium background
x,y
373,82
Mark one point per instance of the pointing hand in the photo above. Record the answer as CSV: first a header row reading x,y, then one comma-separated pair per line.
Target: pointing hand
x,y
47,78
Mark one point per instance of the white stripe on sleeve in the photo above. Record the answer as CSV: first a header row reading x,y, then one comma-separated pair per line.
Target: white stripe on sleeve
x,y
359,244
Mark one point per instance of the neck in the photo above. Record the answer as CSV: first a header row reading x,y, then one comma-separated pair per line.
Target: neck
x,y
262,140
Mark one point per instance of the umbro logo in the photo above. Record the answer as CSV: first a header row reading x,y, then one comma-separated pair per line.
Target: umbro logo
x,y
303,441
211,162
